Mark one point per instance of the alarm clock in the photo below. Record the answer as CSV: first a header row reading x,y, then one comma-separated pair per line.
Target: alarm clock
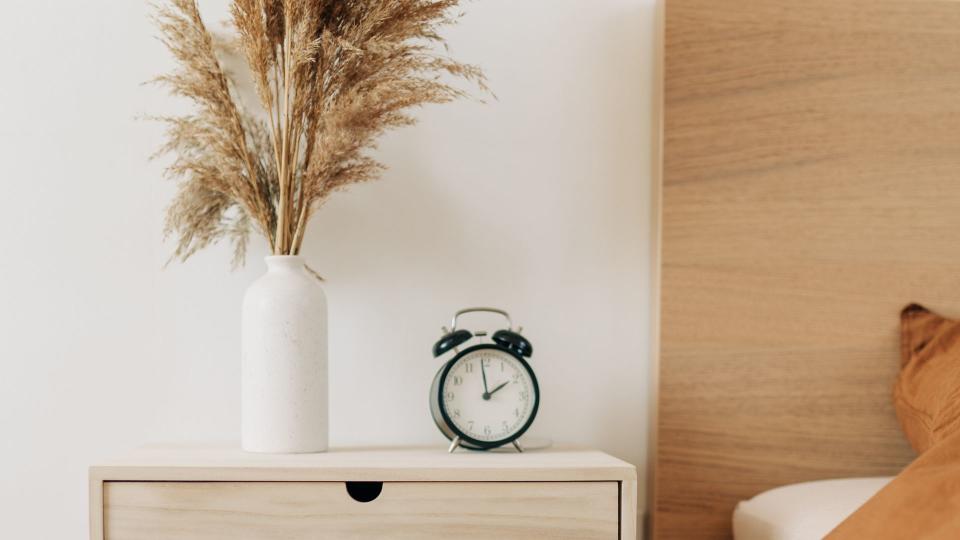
x,y
486,395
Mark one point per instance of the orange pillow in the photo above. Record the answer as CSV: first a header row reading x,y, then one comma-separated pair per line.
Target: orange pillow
x,y
921,502
927,393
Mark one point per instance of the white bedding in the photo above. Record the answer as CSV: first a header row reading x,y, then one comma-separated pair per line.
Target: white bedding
x,y
806,511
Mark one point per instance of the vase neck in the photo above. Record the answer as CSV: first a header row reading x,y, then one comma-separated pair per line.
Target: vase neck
x,y
284,263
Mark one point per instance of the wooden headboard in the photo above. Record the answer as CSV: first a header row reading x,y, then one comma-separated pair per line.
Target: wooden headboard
x,y
811,188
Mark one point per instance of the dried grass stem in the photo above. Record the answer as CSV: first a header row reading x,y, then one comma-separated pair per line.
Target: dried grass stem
x,y
331,76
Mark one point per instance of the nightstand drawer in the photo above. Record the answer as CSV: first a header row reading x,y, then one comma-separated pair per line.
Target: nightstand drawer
x,y
402,510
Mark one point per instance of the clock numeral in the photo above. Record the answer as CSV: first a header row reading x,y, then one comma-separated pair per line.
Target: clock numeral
x,y
456,412
487,430
516,377
468,367
503,366
525,395
457,380
516,413
486,362
470,425
505,425
449,396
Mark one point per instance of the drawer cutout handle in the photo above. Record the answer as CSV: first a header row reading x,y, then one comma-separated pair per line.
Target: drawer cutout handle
x,y
364,491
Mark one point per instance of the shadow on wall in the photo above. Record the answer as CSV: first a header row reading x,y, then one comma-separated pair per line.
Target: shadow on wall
x,y
393,226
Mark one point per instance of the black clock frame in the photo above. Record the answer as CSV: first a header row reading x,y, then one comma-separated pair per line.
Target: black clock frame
x,y
444,422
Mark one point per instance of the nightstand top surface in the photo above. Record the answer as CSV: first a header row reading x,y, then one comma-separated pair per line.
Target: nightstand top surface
x,y
225,462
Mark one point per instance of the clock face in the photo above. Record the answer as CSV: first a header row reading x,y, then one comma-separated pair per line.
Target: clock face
x,y
489,395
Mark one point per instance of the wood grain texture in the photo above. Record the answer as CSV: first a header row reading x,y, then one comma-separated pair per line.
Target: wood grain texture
x,y
404,510
811,188
579,481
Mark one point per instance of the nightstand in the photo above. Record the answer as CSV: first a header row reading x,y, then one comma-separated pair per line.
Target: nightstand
x,y
194,492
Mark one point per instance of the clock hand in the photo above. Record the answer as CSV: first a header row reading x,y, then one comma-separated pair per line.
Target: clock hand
x,y
486,393
492,392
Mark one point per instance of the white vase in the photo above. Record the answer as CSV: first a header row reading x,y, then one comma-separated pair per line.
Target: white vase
x,y
284,355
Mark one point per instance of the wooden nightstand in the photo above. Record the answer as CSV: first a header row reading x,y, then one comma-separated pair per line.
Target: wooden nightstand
x,y
219,492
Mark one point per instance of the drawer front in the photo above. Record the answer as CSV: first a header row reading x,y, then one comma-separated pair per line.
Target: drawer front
x,y
403,510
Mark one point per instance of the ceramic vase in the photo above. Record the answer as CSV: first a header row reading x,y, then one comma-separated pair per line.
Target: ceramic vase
x,y
284,405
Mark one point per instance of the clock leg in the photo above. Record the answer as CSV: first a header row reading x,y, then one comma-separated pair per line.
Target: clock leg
x,y
454,445
516,444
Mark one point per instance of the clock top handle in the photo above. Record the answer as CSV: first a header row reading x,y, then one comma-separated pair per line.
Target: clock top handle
x,y
453,324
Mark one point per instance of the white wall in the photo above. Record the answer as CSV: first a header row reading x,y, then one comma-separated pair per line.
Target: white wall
x,y
537,203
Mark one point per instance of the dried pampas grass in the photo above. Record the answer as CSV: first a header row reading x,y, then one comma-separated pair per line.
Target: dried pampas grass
x,y
331,76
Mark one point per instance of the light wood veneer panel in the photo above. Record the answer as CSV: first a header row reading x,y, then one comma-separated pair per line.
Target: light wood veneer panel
x,y
566,492
206,462
404,510
811,189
